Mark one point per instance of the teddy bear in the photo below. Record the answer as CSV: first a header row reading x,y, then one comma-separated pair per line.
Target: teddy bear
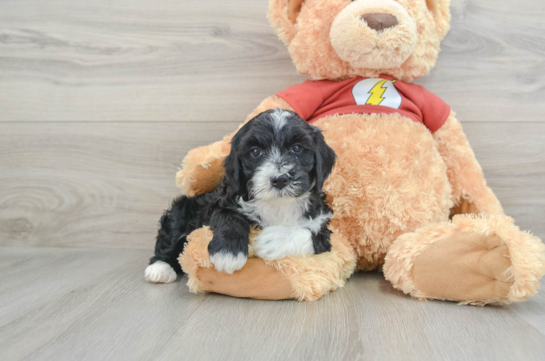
x,y
408,194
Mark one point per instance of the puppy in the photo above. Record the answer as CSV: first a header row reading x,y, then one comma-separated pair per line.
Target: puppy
x,y
273,179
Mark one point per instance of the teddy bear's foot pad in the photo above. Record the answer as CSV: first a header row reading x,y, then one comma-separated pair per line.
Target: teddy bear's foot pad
x,y
473,259
465,266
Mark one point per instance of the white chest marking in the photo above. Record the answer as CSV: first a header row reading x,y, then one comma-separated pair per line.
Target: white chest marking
x,y
277,212
286,231
288,212
277,242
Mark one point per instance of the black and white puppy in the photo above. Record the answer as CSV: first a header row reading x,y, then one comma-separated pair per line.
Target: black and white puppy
x,y
273,179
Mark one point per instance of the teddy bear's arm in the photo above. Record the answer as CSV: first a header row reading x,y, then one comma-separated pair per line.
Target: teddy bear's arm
x,y
301,278
202,168
469,190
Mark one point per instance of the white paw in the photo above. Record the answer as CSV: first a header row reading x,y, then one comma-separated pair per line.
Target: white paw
x,y
160,272
277,242
227,262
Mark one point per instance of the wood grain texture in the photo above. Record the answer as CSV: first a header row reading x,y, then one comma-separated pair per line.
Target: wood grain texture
x,y
100,101
88,184
67,304
164,60
91,184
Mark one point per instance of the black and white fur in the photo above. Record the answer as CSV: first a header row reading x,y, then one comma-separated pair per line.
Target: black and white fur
x,y
273,179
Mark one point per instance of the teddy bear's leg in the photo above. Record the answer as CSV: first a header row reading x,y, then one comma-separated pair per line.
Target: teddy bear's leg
x,y
470,193
481,259
202,168
290,278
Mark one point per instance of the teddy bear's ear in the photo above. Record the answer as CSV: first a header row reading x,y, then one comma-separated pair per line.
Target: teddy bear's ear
x,y
441,13
294,7
283,16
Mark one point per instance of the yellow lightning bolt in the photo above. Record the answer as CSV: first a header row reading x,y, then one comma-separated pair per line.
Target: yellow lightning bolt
x,y
376,93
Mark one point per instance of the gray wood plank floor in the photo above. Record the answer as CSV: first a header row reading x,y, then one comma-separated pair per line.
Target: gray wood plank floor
x,y
67,304
99,102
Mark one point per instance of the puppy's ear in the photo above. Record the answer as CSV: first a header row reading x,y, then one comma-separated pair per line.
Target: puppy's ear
x,y
232,169
232,164
324,158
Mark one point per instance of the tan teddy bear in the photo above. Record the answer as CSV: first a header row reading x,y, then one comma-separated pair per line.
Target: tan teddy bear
x,y
407,192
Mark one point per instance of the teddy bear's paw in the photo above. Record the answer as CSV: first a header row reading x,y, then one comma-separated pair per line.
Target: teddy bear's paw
x,y
474,259
160,272
228,262
481,260
195,179
277,242
466,266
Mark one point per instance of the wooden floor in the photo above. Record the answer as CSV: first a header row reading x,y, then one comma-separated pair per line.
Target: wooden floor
x,y
73,304
99,102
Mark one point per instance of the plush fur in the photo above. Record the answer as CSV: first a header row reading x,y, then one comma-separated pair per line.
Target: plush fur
x,y
527,263
274,176
395,186
314,55
303,279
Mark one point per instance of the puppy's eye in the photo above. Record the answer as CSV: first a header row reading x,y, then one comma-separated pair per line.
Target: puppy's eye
x,y
255,152
296,148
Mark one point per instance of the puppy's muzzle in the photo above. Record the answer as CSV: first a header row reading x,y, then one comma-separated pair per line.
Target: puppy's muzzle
x,y
280,182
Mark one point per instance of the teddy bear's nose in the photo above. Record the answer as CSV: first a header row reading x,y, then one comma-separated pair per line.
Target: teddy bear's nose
x,y
380,22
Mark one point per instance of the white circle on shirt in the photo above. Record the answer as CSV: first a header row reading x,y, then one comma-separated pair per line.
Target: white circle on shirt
x,y
376,92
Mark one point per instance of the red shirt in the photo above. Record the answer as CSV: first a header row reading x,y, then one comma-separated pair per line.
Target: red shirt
x,y
313,100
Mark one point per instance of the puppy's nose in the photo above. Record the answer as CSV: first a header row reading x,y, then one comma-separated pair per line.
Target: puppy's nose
x,y
280,182
380,22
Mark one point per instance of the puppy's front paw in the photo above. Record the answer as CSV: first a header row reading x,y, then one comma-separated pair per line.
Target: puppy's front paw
x,y
160,272
228,262
277,242
228,253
